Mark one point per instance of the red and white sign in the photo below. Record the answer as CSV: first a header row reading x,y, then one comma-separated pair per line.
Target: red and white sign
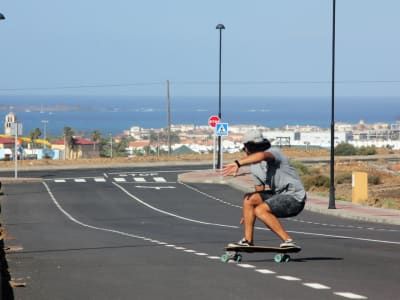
x,y
213,120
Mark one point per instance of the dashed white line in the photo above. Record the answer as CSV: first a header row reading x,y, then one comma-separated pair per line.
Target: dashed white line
x,y
246,266
100,180
265,271
316,286
119,179
350,295
189,251
80,180
139,179
288,278
213,257
159,179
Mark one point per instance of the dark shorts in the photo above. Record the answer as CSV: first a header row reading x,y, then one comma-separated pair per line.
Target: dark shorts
x,y
282,206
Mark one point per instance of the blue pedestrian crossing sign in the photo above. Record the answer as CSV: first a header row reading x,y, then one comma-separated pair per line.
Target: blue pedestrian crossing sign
x,y
221,129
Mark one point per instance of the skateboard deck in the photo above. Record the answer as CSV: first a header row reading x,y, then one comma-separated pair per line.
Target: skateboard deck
x,y
233,253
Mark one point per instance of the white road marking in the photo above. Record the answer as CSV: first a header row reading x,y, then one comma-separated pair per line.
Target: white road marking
x,y
214,257
119,179
139,179
289,278
159,179
155,187
317,286
297,220
265,271
350,295
100,179
59,180
246,266
262,271
80,180
171,214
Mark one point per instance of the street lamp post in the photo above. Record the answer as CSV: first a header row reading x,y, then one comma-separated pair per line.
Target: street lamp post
x,y
332,158
111,145
44,129
220,27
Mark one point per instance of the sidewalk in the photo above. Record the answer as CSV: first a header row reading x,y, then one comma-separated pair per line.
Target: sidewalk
x,y
315,203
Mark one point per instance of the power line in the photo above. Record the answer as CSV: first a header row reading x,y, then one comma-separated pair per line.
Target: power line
x,y
162,83
83,86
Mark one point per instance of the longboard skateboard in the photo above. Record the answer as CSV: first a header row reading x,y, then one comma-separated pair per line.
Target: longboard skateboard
x,y
233,253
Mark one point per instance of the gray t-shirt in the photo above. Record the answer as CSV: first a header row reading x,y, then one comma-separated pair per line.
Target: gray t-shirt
x,y
279,175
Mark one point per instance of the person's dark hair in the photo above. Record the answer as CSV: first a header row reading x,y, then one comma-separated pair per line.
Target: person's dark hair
x,y
252,147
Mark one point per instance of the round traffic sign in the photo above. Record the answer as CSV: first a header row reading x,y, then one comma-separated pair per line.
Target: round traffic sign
x,y
213,120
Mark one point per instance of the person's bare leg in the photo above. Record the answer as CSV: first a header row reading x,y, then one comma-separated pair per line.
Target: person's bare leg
x,y
264,214
250,202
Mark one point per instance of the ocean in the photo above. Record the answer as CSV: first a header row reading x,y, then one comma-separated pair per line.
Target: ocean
x,y
114,114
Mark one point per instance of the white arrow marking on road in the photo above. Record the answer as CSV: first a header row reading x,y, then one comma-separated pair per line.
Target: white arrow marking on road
x,y
155,187
159,179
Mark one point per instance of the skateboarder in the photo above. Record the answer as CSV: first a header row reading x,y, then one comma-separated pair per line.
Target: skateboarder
x,y
279,192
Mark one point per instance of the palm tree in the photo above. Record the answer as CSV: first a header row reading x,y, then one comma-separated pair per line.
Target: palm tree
x,y
34,135
95,137
69,139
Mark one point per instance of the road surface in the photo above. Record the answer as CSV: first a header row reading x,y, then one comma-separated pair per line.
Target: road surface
x,y
141,234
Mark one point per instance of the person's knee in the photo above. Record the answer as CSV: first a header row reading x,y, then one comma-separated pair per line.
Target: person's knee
x,y
252,199
261,210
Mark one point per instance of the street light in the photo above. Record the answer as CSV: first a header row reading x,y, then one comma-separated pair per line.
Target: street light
x,y
44,127
2,17
332,158
111,145
220,27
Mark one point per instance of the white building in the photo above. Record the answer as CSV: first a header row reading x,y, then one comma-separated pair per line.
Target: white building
x,y
10,118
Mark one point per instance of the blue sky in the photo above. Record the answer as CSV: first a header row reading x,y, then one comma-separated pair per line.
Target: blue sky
x,y
269,48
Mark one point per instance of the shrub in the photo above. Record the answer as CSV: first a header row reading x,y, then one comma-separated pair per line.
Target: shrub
x,y
315,181
370,150
374,179
300,167
345,149
344,178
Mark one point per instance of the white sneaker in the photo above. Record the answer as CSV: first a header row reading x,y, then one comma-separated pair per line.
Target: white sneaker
x,y
289,243
242,242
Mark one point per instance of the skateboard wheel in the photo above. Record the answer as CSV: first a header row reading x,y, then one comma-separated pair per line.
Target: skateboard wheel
x,y
238,258
278,258
225,257
281,258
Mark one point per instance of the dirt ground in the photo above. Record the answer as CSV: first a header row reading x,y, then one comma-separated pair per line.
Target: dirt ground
x,y
383,175
386,193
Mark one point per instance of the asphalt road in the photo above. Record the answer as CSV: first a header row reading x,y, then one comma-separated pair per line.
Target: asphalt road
x,y
140,234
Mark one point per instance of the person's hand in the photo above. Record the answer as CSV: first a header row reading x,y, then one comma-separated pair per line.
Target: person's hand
x,y
241,220
230,169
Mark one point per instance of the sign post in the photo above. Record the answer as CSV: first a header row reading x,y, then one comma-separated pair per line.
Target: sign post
x,y
213,121
16,128
221,129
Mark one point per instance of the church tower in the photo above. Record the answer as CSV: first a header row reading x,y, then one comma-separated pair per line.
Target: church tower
x,y
10,118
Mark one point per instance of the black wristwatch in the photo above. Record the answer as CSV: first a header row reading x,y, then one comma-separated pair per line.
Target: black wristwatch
x,y
237,163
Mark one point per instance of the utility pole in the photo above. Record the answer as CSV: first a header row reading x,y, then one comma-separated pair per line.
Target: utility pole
x,y
168,119
332,156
